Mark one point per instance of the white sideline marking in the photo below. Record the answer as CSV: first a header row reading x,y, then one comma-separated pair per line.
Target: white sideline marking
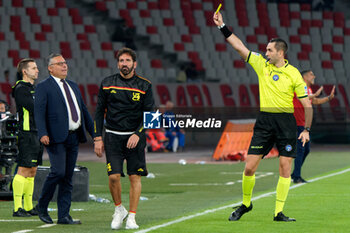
x,y
22,220
237,203
53,210
22,231
198,184
240,173
29,230
19,220
47,225
262,174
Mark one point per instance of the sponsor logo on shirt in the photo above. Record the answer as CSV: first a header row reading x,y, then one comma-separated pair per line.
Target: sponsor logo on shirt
x,y
109,168
136,96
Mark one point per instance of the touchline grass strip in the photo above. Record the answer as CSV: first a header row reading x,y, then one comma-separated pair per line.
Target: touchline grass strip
x,y
237,203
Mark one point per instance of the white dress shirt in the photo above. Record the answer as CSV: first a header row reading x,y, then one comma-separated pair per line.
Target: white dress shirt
x,y
72,125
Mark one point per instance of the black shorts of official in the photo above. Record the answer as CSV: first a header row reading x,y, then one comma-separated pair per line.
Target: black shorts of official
x,y
116,153
271,128
30,149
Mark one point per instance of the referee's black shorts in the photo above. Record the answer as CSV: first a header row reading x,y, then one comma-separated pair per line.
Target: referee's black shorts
x,y
271,128
30,149
116,153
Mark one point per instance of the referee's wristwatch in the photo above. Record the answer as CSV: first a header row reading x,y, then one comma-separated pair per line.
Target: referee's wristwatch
x,y
308,129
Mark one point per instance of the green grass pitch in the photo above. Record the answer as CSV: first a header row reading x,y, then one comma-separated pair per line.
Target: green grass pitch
x,y
184,190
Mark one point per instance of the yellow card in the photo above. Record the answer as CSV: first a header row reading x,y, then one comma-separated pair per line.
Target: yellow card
x,y
218,8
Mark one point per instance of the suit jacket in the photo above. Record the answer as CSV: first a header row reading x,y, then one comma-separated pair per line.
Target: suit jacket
x,y
51,115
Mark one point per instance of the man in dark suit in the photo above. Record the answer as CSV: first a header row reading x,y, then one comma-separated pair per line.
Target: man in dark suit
x,y
61,118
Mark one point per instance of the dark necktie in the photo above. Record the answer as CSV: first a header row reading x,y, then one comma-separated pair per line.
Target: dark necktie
x,y
73,110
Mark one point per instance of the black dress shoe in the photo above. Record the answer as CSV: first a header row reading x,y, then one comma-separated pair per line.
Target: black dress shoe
x,y
282,218
68,220
43,215
303,181
299,180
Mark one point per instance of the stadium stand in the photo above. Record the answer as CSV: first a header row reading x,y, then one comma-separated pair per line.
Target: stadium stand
x,y
318,39
37,28
185,27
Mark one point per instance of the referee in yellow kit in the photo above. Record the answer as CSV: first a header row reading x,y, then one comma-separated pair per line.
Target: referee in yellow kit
x,y
278,80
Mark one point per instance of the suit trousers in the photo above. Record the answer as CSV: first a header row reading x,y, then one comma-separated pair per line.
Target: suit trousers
x,y
63,157
302,152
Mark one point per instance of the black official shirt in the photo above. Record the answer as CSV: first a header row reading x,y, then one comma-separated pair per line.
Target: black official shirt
x,y
125,101
23,92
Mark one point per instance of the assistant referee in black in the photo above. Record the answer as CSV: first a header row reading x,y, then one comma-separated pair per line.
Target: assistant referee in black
x,y
123,97
29,146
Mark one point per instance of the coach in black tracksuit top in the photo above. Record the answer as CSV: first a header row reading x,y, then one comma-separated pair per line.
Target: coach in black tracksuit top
x,y
123,97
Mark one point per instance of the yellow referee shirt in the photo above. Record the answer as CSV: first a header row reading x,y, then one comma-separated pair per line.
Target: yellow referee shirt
x,y
277,85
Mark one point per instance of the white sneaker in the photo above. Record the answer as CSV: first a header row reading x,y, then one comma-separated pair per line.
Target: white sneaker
x,y
119,215
131,223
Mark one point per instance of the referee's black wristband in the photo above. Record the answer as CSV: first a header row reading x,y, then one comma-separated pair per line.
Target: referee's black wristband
x,y
225,31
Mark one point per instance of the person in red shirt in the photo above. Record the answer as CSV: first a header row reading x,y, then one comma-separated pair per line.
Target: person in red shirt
x,y
303,151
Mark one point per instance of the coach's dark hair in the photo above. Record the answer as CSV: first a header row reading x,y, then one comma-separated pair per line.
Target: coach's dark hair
x,y
280,44
23,64
52,55
129,51
304,72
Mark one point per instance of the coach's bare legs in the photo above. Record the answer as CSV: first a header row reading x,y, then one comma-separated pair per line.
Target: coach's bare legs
x,y
115,188
134,196
120,212
135,191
